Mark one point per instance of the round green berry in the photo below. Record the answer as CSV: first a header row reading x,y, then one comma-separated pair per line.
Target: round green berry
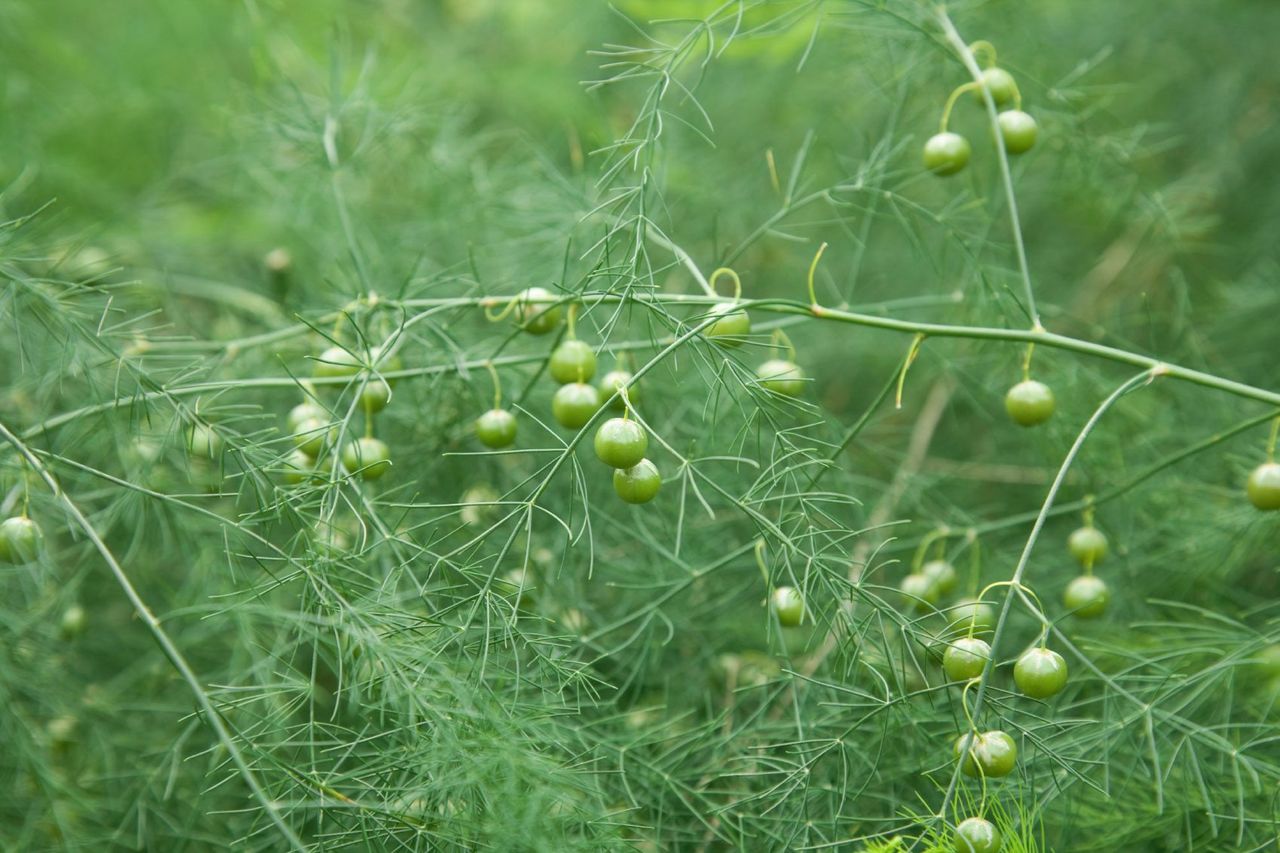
x,y
1001,85
575,404
781,377
941,574
1030,403
1040,673
335,363
731,325
572,361
621,443
975,835
375,395
637,484
1088,545
369,456
613,382
311,434
788,606
303,412
535,312
918,592
21,540
203,442
967,613
1019,131
1086,596
966,658
496,428
946,153
1263,487
992,754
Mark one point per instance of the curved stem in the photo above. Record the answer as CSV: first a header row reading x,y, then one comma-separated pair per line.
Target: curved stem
x,y
1271,441
813,267
951,103
726,271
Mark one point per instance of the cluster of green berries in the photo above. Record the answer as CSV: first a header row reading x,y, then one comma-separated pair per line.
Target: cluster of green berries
x,y
620,442
314,432
947,153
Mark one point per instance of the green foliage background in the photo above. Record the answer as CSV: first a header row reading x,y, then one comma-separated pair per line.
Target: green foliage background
x,y
390,694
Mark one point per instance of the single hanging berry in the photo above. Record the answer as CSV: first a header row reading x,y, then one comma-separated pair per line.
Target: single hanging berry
x,y
536,312
496,428
637,484
575,404
621,443
788,606
1030,403
21,540
1086,596
572,361
1040,673
966,658
781,377
1019,131
1088,545
1001,85
368,456
975,835
946,153
1263,486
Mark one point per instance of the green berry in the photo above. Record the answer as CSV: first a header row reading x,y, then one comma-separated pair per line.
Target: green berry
x,y
311,434
975,835
1030,403
298,467
335,363
534,311
731,325
21,540
496,428
612,382
575,404
74,621
1019,131
621,443
572,361
1263,487
303,412
375,395
369,456
966,658
1040,673
203,442
781,377
637,484
1001,85
991,754
946,153
1088,545
1086,596
918,592
788,606
941,574
967,612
